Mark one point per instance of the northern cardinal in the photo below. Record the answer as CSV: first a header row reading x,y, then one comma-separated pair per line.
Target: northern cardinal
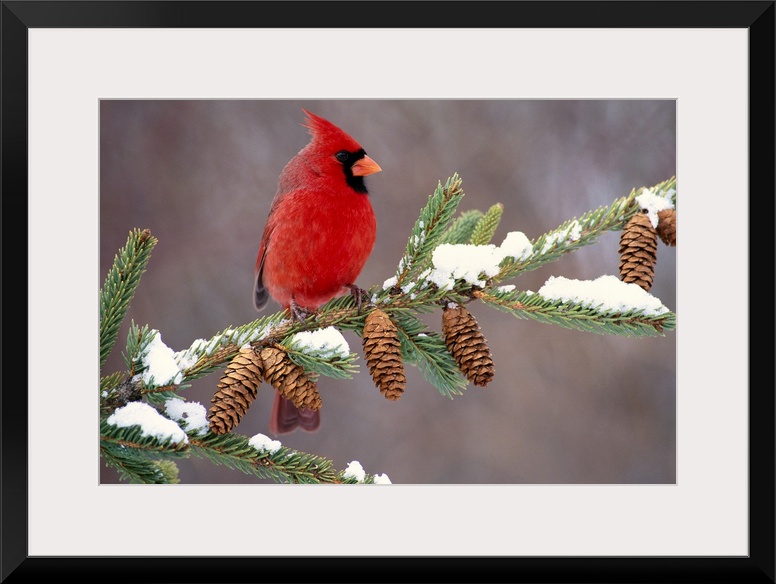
x,y
318,236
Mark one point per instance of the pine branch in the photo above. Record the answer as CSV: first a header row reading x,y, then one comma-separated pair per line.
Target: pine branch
x,y
577,233
134,468
134,438
138,340
420,295
572,315
460,230
334,366
205,357
116,392
169,470
110,381
426,350
120,284
485,228
136,455
423,283
429,228
141,442
284,465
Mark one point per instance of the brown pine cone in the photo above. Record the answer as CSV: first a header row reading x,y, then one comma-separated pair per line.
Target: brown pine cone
x,y
290,379
638,251
382,349
466,344
237,389
666,226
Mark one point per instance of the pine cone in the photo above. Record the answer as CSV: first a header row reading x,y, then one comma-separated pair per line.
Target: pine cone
x,y
666,226
383,354
466,344
290,379
236,391
638,251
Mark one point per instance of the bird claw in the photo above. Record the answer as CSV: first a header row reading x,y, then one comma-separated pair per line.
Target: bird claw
x,y
298,313
359,294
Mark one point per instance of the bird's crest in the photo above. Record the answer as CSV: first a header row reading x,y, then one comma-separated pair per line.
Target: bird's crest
x,y
326,133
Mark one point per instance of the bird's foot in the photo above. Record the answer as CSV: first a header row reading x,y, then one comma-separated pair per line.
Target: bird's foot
x,y
298,313
359,295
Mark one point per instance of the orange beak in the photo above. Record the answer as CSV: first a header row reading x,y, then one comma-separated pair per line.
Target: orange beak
x,y
365,166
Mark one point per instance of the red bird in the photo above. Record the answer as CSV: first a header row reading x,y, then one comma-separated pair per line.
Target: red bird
x,y
318,236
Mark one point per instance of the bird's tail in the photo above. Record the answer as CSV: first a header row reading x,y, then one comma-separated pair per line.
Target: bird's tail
x,y
286,417
260,292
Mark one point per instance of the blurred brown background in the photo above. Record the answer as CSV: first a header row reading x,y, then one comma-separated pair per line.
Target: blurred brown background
x,y
564,407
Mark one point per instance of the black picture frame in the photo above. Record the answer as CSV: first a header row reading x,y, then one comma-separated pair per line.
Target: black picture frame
x,y
757,17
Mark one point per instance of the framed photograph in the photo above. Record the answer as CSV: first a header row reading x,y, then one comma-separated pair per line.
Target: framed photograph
x,y
574,445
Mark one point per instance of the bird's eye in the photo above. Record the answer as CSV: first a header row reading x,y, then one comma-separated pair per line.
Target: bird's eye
x,y
342,155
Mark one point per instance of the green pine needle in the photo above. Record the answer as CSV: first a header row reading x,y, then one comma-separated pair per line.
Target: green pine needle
x,y
486,227
169,470
283,466
108,382
322,363
133,438
460,231
429,228
133,468
576,316
426,349
120,284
